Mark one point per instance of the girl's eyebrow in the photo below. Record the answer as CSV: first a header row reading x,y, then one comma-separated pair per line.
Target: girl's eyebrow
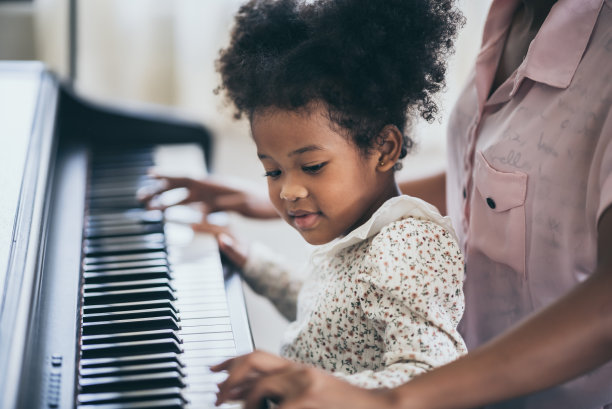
x,y
305,149
308,148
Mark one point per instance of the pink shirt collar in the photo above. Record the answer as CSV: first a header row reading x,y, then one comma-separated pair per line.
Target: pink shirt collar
x,y
553,55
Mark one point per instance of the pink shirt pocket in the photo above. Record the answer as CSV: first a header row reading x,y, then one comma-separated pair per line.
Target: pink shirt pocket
x,y
497,214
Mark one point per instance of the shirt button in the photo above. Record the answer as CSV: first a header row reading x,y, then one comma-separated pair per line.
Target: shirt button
x,y
491,203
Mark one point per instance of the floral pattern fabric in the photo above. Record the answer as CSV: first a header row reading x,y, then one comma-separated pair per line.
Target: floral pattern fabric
x,y
378,306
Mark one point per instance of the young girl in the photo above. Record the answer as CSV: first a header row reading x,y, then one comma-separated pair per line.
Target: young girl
x,y
329,87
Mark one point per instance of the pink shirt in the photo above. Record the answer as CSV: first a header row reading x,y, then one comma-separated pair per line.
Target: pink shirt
x,y
530,174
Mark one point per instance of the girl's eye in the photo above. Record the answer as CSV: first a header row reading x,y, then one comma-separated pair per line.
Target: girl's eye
x,y
272,174
314,168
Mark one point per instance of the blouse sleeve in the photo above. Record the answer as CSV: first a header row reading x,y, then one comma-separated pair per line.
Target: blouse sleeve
x,y
267,274
412,291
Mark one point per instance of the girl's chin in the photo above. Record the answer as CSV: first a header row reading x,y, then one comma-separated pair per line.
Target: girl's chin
x,y
315,239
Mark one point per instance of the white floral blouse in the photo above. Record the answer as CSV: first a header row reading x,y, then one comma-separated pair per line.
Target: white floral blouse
x,y
378,306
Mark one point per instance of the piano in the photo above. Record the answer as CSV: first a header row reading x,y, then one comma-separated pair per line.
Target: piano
x,y
103,303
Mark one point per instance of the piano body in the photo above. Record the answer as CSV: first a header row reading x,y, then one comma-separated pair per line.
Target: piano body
x,y
103,304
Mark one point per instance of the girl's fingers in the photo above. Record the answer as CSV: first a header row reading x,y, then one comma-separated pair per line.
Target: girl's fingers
x,y
235,252
239,379
205,227
223,366
286,387
244,370
264,389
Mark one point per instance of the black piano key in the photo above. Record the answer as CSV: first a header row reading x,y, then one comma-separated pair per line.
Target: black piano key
x,y
132,336
135,180
132,360
120,171
112,163
132,370
159,260
123,230
124,315
125,240
133,187
146,404
124,249
106,154
131,348
140,294
124,202
131,382
131,396
128,285
153,257
118,216
126,306
140,324
127,275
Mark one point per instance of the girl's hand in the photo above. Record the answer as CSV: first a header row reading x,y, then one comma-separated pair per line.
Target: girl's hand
x,y
244,371
235,251
259,376
215,195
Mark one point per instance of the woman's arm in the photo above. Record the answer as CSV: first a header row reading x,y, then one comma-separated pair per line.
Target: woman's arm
x,y
432,189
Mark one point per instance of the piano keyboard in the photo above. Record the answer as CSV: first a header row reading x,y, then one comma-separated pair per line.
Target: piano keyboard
x,y
155,314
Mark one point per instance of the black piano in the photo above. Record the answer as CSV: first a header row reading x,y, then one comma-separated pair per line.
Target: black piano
x,y
103,303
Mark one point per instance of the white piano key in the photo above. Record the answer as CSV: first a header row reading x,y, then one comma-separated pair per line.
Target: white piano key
x,y
201,307
204,314
210,353
208,329
205,322
208,344
213,336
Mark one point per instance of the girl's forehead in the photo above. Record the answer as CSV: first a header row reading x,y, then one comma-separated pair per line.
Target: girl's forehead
x,y
288,134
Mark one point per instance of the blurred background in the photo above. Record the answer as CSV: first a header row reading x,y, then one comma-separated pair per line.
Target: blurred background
x,y
151,53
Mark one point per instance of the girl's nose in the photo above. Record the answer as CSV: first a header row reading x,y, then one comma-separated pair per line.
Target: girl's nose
x,y
292,192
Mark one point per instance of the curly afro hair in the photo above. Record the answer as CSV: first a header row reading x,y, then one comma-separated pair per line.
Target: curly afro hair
x,y
370,62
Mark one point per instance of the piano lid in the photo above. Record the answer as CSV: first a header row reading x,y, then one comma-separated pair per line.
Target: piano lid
x,y
19,89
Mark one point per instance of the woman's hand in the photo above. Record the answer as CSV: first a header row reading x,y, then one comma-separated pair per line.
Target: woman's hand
x,y
260,376
214,195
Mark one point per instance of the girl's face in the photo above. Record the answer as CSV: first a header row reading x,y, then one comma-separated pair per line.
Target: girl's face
x,y
318,180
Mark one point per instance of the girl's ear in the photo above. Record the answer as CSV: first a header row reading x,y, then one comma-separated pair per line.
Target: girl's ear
x,y
389,147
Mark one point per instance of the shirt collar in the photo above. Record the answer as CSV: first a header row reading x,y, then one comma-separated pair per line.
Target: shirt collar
x,y
396,208
554,53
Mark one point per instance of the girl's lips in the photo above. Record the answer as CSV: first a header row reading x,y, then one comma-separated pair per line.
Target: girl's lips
x,y
305,221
